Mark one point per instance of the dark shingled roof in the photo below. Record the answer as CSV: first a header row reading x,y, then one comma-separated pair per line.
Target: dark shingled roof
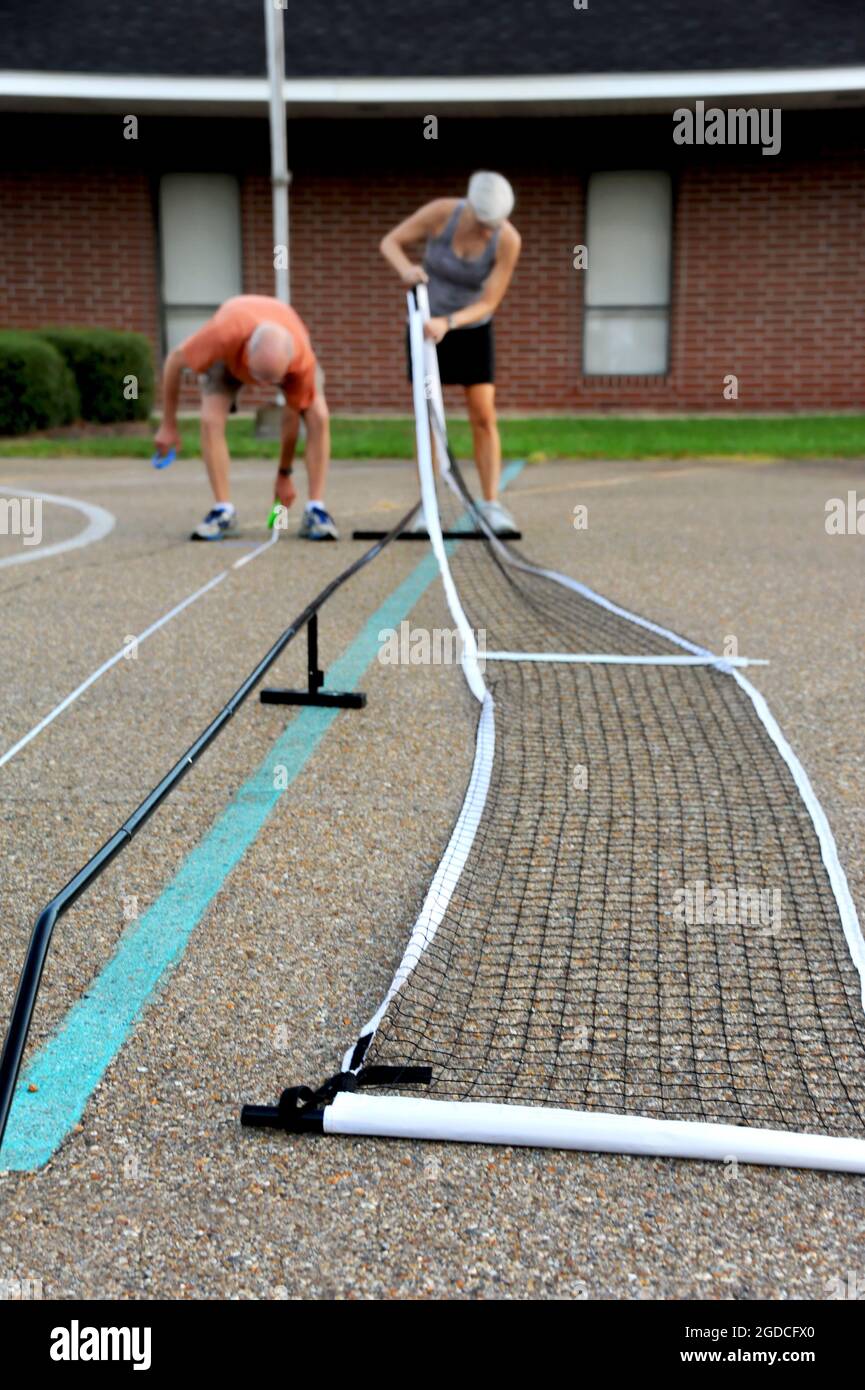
x,y
447,38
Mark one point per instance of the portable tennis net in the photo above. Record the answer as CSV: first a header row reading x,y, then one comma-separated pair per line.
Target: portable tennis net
x,y
639,938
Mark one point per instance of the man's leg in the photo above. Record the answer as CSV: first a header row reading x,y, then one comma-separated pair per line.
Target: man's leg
x,y
480,402
317,524
317,421
214,446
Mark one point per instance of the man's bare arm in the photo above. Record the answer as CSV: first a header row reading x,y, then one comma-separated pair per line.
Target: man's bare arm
x,y
284,489
167,436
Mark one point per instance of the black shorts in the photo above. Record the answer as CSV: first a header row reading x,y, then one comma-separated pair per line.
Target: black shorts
x,y
467,356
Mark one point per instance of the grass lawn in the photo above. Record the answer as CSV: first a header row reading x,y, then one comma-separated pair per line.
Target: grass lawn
x,y
792,436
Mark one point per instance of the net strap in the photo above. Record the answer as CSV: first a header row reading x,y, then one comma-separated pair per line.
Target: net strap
x,y
420,387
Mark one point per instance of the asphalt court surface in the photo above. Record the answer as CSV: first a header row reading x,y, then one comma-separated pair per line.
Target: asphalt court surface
x,y
156,1191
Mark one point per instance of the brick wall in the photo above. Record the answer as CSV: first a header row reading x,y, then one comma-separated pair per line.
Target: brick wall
x,y
768,264
79,246
768,284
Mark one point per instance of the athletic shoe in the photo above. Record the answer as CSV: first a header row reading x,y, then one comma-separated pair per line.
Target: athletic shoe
x,y
219,521
497,517
317,524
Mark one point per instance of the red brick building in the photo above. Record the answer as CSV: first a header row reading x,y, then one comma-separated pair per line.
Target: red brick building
x,y
706,261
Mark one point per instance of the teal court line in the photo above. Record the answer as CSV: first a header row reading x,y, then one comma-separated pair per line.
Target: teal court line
x,y
67,1069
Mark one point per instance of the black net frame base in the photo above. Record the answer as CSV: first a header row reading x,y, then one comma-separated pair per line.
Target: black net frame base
x,y
446,535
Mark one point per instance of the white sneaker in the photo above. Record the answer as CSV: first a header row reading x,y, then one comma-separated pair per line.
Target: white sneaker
x,y
497,517
317,524
220,520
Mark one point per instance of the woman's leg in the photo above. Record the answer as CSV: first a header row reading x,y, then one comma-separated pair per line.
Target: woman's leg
x,y
481,406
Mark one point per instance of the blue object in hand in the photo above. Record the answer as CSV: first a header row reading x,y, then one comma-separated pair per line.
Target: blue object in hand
x,y
163,460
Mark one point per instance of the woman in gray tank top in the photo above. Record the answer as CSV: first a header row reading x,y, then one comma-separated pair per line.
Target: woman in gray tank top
x,y
471,252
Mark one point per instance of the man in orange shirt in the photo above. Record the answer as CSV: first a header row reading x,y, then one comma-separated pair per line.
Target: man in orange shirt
x,y
253,339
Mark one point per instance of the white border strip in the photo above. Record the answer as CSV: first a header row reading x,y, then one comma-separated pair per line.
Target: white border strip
x,y
394,91
478,1122
613,659
432,384
828,847
449,869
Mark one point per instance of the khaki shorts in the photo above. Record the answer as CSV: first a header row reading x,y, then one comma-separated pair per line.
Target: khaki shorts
x,y
219,381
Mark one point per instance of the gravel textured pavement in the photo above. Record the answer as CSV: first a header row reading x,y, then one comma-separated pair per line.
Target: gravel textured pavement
x,y
159,1193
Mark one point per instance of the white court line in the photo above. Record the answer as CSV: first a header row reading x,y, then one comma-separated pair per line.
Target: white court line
x,y
99,523
613,659
118,655
245,559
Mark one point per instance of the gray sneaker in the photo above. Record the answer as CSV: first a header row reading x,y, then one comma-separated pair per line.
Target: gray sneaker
x,y
317,524
219,522
497,517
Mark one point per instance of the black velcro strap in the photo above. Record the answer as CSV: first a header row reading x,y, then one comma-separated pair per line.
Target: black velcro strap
x,y
360,1048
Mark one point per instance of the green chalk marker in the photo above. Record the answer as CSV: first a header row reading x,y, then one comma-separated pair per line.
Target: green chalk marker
x,y
274,513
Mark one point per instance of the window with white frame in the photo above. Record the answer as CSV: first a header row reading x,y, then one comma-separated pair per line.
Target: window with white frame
x,y
199,225
626,315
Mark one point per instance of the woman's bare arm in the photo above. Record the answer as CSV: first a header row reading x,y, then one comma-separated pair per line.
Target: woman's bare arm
x,y
426,222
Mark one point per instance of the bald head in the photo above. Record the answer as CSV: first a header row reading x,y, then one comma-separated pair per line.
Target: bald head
x,y
270,352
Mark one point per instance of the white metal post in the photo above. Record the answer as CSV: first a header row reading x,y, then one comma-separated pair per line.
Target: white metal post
x,y
279,175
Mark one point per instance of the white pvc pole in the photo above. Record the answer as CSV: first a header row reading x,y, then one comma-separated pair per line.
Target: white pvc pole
x,y
478,1122
279,175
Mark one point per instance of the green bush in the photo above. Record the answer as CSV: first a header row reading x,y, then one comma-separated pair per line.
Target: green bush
x,y
102,362
37,388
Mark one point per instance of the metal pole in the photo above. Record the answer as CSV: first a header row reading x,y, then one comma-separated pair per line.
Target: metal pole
x,y
279,175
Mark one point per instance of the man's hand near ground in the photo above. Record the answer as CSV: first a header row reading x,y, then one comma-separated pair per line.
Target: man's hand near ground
x,y
167,437
284,490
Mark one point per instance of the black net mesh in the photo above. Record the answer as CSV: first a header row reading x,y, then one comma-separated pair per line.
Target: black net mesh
x,y
644,924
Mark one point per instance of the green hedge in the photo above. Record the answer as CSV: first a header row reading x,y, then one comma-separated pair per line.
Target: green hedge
x,y
37,388
102,362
